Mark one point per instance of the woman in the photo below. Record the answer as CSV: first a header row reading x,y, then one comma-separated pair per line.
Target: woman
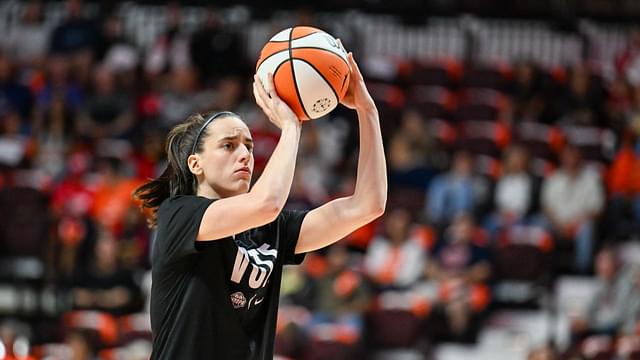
x,y
220,247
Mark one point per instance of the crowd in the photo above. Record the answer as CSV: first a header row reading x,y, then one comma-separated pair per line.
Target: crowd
x,y
495,171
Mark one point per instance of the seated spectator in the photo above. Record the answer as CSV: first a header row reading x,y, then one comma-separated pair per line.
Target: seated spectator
x,y
106,286
170,51
215,49
582,102
27,41
340,298
55,133
395,258
572,199
14,97
631,316
608,306
410,154
527,92
82,344
624,189
107,112
457,191
14,146
516,192
460,264
75,33
112,196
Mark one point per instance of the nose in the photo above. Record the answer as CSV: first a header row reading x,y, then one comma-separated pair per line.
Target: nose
x,y
245,154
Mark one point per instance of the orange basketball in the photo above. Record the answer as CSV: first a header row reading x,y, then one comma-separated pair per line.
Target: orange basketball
x,y
310,70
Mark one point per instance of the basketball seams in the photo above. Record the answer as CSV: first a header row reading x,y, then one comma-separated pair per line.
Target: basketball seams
x,y
303,48
323,49
321,76
298,38
275,53
293,74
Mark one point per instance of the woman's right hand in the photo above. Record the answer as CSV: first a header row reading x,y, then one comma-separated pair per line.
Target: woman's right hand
x,y
278,112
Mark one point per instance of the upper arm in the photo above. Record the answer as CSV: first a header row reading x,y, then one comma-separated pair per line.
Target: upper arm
x,y
233,215
331,222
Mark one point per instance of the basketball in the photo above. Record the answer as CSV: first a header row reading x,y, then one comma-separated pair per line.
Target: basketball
x,y
310,70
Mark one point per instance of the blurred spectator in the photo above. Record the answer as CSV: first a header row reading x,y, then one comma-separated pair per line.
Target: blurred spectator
x,y
216,49
624,189
171,50
112,197
13,95
149,154
55,133
114,49
14,145
105,285
455,192
527,92
516,193
340,295
631,316
28,40
572,199
461,253
608,306
582,102
181,98
58,83
461,265
395,259
82,344
107,112
75,33
412,153
628,61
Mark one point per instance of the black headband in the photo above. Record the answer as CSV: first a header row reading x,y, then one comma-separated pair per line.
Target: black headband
x,y
206,123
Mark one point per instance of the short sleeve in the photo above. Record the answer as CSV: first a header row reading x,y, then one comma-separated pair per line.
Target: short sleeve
x,y
178,224
290,223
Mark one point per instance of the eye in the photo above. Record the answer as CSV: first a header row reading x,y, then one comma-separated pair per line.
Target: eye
x,y
227,146
249,147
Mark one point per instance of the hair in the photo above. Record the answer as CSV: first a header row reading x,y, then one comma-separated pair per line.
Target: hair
x,y
183,140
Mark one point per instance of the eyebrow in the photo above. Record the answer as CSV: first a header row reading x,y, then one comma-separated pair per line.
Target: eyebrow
x,y
235,137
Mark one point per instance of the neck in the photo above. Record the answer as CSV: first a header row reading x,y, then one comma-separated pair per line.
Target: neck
x,y
207,191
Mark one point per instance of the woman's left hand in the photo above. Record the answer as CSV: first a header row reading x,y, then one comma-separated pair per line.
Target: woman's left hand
x,y
357,95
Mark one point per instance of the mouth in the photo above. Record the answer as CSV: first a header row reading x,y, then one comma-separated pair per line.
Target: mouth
x,y
244,171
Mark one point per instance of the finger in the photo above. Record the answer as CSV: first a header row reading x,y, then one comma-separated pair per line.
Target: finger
x,y
260,100
271,88
355,70
261,90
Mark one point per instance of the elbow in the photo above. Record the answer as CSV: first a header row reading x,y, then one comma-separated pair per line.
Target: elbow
x,y
271,208
377,209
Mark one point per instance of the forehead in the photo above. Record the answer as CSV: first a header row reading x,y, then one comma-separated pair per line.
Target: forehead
x,y
226,127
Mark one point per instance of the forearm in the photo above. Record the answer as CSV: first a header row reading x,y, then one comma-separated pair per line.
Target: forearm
x,y
275,182
371,183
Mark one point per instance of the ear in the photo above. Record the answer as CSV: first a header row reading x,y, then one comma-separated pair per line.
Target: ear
x,y
193,162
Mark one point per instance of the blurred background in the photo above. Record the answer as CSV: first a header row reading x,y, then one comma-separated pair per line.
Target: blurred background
x,y
511,131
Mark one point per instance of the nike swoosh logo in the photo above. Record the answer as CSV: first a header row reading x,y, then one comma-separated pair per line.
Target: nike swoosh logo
x,y
258,301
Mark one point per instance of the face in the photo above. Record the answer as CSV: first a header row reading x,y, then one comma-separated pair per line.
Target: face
x,y
225,164
516,160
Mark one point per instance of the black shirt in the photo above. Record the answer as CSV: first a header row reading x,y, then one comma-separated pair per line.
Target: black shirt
x,y
217,299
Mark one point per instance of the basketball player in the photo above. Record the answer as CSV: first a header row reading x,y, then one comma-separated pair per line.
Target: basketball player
x,y
220,247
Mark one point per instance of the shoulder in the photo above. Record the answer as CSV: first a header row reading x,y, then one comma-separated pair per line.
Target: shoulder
x,y
182,204
183,200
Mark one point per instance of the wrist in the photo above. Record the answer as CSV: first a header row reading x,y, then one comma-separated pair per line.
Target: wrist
x,y
291,124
